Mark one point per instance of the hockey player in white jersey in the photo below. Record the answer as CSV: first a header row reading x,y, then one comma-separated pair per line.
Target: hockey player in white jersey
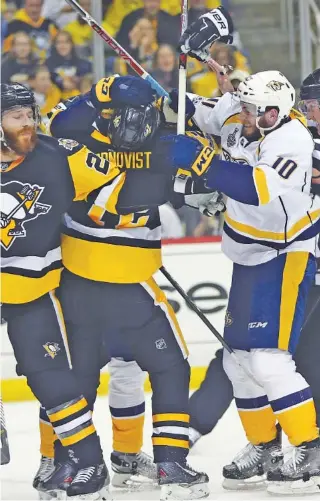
x,y
269,234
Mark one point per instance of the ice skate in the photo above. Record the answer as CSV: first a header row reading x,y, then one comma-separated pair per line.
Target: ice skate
x,y
55,485
180,482
91,483
248,470
45,469
133,471
300,474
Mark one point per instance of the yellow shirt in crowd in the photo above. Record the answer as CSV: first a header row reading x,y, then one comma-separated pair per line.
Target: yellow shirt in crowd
x,y
119,9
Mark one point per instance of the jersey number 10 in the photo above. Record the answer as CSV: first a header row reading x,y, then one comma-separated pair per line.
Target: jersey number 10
x,y
285,167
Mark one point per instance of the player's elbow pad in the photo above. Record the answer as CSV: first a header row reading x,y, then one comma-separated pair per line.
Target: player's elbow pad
x,y
234,180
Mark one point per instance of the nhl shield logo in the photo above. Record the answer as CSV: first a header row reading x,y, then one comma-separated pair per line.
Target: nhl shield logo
x,y
228,319
19,205
161,344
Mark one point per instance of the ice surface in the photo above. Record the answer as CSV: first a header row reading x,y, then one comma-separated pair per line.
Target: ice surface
x,y
209,454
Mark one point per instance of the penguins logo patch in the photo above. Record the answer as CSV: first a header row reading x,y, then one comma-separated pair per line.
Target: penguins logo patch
x,y
18,205
51,349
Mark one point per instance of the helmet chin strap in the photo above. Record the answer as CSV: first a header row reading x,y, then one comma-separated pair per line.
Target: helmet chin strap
x,y
3,141
263,130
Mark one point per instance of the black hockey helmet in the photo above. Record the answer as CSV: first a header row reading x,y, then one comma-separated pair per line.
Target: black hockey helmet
x,y
130,127
310,88
16,95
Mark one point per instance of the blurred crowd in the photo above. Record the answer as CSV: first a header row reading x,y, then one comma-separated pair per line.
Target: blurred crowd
x,y
48,47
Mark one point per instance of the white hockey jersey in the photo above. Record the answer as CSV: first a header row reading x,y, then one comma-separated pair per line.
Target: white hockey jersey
x,y
282,167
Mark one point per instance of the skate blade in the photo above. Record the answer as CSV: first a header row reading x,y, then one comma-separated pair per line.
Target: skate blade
x,y
134,483
256,483
102,495
57,495
181,492
296,488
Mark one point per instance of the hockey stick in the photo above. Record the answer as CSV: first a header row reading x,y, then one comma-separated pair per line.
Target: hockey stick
x,y
204,319
117,48
181,125
311,312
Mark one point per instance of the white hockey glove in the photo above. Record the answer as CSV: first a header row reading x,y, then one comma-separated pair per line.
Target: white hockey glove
x,y
207,203
200,35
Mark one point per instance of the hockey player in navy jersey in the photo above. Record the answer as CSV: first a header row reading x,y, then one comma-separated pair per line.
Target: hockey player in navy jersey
x,y
111,249
269,233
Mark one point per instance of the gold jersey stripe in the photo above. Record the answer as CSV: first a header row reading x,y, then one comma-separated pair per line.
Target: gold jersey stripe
x,y
302,224
293,275
261,186
78,436
109,263
184,418
17,289
71,409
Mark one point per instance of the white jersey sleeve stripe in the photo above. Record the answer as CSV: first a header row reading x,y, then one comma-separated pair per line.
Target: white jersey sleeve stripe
x,y
261,183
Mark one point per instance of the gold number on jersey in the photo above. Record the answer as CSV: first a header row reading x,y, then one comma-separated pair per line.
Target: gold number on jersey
x,y
285,167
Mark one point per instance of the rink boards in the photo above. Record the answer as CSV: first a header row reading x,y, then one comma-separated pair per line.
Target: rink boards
x,y
203,271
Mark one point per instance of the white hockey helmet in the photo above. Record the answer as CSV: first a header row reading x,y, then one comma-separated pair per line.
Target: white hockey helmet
x,y
268,89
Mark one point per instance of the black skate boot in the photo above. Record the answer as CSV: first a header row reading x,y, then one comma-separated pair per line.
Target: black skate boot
x,y
90,483
180,482
300,474
248,470
55,486
45,469
133,471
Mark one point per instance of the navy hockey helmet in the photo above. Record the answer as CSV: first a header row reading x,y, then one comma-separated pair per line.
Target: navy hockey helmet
x,y
130,127
310,90
16,94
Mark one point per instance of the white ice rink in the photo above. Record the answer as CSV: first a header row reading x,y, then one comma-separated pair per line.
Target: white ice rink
x,y
209,455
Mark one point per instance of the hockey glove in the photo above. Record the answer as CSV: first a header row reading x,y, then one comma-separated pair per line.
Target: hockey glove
x,y
114,92
208,204
169,107
200,35
187,153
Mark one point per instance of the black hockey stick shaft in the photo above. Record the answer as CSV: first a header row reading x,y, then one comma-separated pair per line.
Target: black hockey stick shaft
x,y
204,319
5,451
195,308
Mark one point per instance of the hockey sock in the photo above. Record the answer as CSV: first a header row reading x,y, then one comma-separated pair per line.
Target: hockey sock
x,y
72,422
296,414
127,428
258,419
47,435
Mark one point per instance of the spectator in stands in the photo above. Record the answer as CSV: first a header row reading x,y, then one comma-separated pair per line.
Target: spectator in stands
x,y
40,29
203,81
166,26
20,62
47,93
166,67
142,40
8,10
64,62
81,33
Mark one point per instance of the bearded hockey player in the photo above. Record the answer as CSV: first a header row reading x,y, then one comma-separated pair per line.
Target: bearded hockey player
x,y
211,400
269,234
40,177
111,249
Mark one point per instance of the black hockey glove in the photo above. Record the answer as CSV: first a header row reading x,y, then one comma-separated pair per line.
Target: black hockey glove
x,y
200,35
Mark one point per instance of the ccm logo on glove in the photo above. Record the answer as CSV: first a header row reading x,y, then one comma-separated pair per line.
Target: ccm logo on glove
x,y
202,162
